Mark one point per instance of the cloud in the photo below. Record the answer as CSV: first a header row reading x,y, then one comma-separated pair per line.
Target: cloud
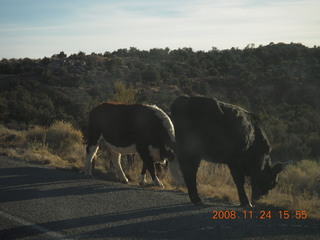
x,y
99,26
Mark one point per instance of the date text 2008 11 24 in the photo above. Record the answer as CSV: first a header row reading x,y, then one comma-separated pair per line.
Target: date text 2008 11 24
x,y
226,214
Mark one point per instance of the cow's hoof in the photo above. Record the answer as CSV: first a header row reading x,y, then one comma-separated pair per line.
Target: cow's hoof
x,y
196,201
246,205
142,180
142,184
125,181
157,183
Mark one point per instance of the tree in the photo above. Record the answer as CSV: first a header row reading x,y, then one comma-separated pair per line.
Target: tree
x,y
3,107
62,55
159,53
151,75
123,94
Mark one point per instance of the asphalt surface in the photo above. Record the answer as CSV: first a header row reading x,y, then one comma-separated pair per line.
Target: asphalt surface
x,y
38,202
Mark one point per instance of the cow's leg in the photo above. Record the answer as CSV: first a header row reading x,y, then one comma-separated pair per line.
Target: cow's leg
x,y
130,160
116,160
238,178
148,161
189,168
93,163
155,180
142,178
157,166
89,160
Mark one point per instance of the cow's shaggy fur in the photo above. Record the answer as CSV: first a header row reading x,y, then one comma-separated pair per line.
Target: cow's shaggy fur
x,y
223,133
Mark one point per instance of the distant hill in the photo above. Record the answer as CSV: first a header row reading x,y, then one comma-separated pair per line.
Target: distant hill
x,y
280,82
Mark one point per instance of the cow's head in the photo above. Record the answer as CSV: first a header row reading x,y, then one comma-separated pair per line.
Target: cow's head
x,y
161,166
169,155
264,180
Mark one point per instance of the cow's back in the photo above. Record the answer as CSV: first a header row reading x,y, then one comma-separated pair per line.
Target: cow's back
x,y
211,128
113,122
126,124
107,114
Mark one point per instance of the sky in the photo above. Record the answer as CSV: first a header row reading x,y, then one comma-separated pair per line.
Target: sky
x,y
42,28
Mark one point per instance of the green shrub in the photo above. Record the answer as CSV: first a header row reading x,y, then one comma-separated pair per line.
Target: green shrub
x,y
123,94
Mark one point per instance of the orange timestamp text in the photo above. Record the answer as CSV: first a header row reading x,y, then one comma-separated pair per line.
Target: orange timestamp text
x,y
231,214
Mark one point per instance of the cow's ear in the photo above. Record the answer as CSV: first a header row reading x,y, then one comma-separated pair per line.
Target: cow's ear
x,y
277,168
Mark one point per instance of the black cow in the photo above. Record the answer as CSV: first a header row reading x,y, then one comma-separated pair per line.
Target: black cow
x,y
223,133
131,128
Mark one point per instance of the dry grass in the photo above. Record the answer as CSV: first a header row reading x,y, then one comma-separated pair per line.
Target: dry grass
x,y
9,137
215,181
298,188
61,145
294,192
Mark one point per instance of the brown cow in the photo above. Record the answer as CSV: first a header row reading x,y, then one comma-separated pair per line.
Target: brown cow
x,y
131,128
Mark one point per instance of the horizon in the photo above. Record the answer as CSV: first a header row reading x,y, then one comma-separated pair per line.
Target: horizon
x,y
253,46
37,29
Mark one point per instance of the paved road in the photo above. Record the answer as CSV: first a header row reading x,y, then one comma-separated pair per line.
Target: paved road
x,y
37,202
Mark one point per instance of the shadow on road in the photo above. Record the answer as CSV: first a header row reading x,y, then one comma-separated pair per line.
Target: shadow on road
x,y
149,224
170,220
28,183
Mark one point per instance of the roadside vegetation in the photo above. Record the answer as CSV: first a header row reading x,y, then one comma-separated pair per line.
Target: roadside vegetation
x,y
59,145
279,82
44,105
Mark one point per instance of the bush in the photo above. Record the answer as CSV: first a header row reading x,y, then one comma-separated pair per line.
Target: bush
x,y
64,140
301,178
123,94
59,145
